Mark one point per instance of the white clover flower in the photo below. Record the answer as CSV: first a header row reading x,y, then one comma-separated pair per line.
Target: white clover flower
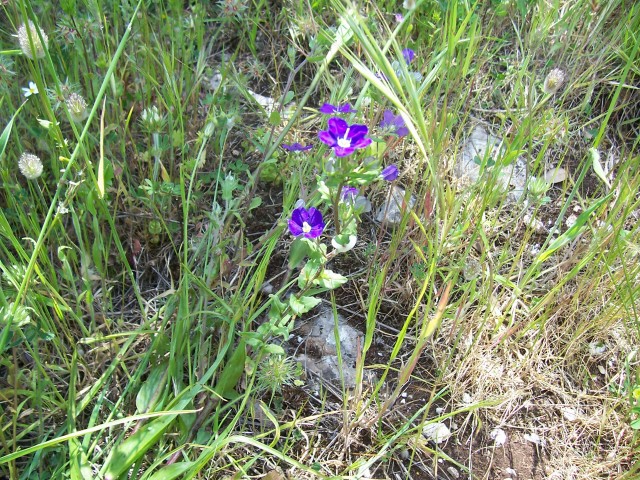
x,y
152,120
38,50
553,82
30,166
32,89
77,107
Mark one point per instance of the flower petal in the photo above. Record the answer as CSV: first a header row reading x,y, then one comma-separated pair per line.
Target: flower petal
x,y
327,138
327,109
357,131
295,229
337,127
346,108
343,152
361,143
390,173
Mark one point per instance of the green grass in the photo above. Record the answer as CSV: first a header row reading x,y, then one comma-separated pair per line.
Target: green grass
x,y
136,270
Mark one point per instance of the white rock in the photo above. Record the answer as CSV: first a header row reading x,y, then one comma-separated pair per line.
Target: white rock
x,y
597,348
438,432
498,436
391,210
535,438
321,342
510,471
466,398
481,144
555,175
569,414
453,472
571,221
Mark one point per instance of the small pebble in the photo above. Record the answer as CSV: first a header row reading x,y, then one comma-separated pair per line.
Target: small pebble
x,y
499,436
453,472
535,438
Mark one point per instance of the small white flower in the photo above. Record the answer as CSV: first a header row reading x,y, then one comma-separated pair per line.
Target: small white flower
x,y
46,123
32,89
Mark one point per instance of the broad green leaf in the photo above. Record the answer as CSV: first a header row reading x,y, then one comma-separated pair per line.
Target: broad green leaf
x,y
329,279
274,118
152,388
298,250
172,471
274,349
303,304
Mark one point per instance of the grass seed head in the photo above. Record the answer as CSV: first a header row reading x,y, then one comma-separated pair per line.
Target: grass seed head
x,y
38,50
30,166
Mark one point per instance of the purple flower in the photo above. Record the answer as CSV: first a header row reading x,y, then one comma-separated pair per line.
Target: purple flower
x,y
408,55
329,109
344,138
306,222
390,173
399,17
394,123
296,147
349,194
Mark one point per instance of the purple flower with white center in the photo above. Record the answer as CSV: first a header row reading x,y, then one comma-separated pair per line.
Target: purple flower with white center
x,y
344,138
399,17
390,173
296,147
329,109
307,223
408,55
394,124
349,194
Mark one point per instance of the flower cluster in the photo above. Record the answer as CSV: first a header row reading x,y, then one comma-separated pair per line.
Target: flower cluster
x,y
38,50
77,107
30,166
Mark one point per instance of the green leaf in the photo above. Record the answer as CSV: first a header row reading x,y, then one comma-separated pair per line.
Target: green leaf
x,y
255,202
80,466
274,118
297,252
597,166
274,349
4,138
288,97
232,372
126,453
172,471
152,388
303,304
573,232
330,280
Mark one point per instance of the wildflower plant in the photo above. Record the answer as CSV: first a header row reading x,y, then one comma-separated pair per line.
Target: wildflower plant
x,y
332,212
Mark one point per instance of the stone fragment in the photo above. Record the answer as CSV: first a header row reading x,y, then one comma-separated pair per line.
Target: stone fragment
x,y
391,211
482,148
438,432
